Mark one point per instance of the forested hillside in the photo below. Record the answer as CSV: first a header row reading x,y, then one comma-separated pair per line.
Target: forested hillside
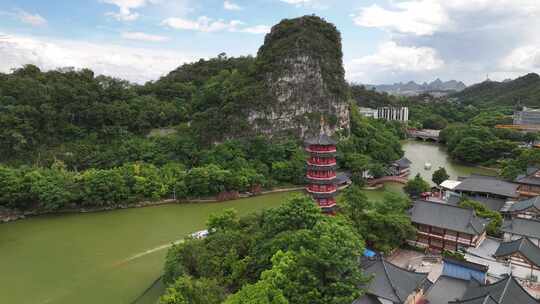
x,y
523,91
69,138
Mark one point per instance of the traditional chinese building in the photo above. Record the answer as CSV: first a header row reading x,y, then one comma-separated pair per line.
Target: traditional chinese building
x,y
528,208
446,227
391,284
522,256
529,183
321,171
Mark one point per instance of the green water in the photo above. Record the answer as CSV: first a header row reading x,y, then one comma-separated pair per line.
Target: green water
x,y
420,152
99,257
83,258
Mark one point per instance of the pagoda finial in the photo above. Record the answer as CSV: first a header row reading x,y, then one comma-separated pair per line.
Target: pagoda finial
x,y
322,125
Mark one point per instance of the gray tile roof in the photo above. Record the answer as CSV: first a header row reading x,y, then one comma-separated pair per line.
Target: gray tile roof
x,y
505,291
447,216
446,289
491,203
391,282
322,139
523,246
533,202
367,299
403,162
529,177
520,226
488,184
487,299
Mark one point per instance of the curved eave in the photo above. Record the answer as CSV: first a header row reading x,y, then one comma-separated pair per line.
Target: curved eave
x,y
322,168
321,181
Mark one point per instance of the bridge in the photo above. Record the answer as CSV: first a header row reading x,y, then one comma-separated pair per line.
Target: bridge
x,y
387,179
424,134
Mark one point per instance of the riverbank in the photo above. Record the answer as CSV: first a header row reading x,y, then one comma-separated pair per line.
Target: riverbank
x,y
10,215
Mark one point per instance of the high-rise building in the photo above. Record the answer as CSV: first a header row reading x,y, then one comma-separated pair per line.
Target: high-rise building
x,y
393,113
321,171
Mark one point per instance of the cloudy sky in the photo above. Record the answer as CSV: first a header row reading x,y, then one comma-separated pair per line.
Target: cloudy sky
x,y
384,41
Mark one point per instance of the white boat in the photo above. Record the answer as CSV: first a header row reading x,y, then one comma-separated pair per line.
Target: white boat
x,y
200,234
427,166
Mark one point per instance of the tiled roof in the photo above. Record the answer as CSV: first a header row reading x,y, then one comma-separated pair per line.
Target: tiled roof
x,y
533,202
447,216
446,289
520,226
488,184
403,162
523,246
529,178
505,291
322,139
391,282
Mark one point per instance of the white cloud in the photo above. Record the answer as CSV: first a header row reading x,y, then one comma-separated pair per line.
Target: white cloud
x,y
32,19
258,29
206,24
297,1
402,58
125,8
525,59
143,37
472,37
229,5
316,4
425,17
391,59
135,64
417,17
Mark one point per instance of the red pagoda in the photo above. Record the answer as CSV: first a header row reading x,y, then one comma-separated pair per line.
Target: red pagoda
x,y
321,171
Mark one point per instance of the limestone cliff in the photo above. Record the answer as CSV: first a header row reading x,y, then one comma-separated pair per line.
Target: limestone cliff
x,y
301,68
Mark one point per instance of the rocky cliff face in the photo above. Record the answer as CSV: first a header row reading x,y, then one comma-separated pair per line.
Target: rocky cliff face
x,y
301,67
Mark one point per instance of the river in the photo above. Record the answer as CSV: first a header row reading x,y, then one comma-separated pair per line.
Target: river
x,y
111,257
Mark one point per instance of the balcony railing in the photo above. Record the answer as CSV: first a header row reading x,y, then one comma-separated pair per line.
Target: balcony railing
x,y
321,177
321,149
315,189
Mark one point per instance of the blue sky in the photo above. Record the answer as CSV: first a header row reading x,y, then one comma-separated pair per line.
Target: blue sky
x,y
384,41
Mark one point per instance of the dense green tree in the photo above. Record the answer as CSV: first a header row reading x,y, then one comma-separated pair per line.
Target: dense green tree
x,y
470,149
496,220
103,187
434,121
261,292
385,225
289,254
416,186
187,290
439,176
53,188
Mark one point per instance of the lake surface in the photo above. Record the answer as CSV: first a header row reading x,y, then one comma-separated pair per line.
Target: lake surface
x,y
112,257
420,152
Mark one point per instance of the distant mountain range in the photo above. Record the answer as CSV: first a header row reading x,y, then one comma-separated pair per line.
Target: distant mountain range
x,y
411,88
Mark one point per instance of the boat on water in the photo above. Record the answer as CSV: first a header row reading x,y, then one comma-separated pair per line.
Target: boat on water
x,y
427,166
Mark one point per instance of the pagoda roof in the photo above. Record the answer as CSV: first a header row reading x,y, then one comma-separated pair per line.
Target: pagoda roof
x,y
321,140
